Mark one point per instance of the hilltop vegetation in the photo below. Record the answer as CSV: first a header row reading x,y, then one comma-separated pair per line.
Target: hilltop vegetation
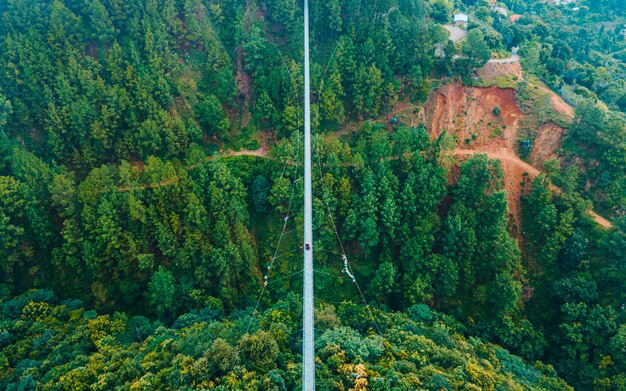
x,y
132,257
577,50
62,346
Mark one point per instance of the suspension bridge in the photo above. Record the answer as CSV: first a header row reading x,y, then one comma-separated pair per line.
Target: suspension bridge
x,y
308,350
308,271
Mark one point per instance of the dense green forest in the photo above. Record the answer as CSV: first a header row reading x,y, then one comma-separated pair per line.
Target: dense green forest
x,y
60,345
579,50
133,250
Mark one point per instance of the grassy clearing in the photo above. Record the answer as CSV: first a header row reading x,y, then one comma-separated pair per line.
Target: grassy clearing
x,y
503,81
534,99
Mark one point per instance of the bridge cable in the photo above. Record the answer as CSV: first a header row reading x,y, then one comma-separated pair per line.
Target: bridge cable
x,y
283,232
347,269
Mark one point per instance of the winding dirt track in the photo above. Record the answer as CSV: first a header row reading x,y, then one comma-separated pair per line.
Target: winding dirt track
x,y
400,107
506,155
261,152
600,220
503,154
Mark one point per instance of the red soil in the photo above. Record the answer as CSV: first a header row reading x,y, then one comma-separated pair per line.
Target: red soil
x,y
547,142
468,114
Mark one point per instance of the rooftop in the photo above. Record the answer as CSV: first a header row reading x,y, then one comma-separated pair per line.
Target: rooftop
x,y
460,18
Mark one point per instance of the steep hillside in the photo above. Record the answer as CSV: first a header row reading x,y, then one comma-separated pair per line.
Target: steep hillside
x,y
547,142
485,118
151,187
488,120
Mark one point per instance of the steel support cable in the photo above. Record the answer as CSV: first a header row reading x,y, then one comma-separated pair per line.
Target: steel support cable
x,y
283,255
330,251
343,251
347,267
330,60
287,217
280,239
276,279
266,276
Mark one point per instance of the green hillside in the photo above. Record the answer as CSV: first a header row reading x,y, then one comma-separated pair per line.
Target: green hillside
x,y
135,242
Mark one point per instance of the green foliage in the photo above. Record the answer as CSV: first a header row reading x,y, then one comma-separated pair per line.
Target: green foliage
x,y
476,217
212,118
108,110
49,344
475,48
162,293
5,111
573,272
260,192
259,351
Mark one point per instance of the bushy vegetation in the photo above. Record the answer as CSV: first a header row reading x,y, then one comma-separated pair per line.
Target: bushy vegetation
x,y
50,344
576,50
577,275
155,249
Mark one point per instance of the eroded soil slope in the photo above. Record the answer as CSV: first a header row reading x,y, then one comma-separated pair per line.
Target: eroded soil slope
x,y
487,119
549,139
498,68
470,114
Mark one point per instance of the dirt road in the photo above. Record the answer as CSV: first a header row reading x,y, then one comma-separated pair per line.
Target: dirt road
x,y
261,152
399,108
503,154
514,167
506,155
600,220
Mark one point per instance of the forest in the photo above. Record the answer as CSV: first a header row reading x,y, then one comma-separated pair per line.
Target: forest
x,y
150,188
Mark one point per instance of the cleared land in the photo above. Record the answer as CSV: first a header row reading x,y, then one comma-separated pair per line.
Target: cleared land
x,y
488,120
456,33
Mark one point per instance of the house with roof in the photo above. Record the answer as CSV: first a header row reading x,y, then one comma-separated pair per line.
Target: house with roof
x,y
461,20
515,17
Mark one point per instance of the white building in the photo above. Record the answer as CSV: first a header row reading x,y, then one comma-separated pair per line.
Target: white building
x,y
460,19
439,50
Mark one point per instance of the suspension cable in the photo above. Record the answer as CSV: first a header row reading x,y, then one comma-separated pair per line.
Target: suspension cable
x,y
283,232
347,269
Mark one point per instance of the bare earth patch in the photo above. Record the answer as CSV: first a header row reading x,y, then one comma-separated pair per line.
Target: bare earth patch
x,y
456,33
547,142
468,114
509,68
561,106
